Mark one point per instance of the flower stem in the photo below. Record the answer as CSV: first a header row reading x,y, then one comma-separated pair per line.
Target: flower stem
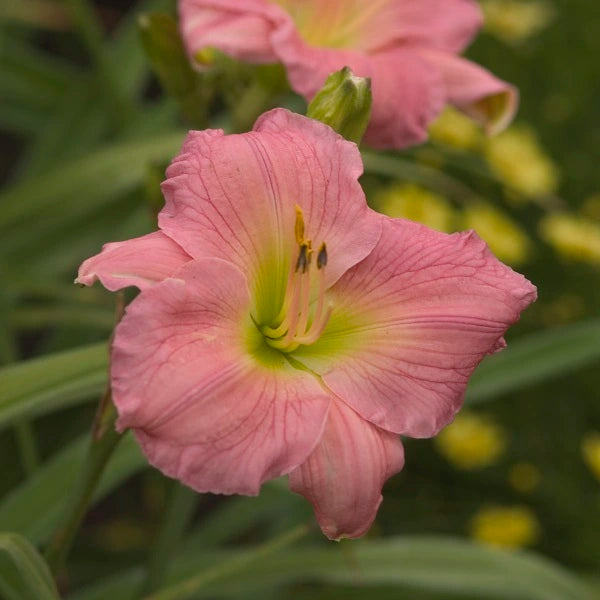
x,y
187,588
104,440
181,504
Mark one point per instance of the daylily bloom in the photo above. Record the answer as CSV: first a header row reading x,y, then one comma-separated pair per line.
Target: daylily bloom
x,y
410,49
284,327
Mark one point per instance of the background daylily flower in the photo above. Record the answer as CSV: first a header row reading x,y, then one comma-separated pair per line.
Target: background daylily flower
x,y
283,327
409,48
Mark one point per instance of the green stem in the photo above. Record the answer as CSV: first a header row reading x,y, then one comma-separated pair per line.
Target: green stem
x,y
187,588
27,446
84,17
104,440
181,505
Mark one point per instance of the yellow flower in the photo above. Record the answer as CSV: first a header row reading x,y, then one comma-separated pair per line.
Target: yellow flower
x,y
524,477
506,527
590,449
417,204
504,237
517,158
455,129
513,21
574,237
471,442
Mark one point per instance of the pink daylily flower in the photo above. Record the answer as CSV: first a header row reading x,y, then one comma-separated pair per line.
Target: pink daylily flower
x,y
283,327
409,48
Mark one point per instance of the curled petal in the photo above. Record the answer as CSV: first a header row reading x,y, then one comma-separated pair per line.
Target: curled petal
x,y
141,261
239,29
344,475
208,407
411,322
485,98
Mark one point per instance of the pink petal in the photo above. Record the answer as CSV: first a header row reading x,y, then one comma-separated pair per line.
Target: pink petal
x,y
344,475
239,29
449,25
485,98
234,196
407,96
407,93
140,261
417,316
186,378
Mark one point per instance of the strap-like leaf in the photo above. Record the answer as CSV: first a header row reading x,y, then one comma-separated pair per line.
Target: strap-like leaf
x,y
23,573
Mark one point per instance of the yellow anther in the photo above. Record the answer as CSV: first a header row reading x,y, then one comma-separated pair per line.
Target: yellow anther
x,y
299,227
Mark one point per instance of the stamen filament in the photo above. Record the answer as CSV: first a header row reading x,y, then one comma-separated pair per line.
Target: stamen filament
x,y
316,329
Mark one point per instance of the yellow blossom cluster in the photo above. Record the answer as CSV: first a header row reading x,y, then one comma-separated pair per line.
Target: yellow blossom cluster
x,y
471,442
506,239
574,237
455,129
416,203
505,527
514,21
517,158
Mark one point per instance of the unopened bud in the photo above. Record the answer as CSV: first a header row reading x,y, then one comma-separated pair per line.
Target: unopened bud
x,y
344,103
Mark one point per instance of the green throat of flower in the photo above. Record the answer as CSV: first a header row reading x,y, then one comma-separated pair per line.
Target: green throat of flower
x,y
299,321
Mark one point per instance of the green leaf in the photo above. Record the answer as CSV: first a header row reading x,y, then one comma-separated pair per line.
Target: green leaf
x,y
23,573
42,385
411,563
90,181
536,358
34,508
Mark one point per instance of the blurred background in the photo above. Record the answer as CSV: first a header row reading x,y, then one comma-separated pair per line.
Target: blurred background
x,y
94,101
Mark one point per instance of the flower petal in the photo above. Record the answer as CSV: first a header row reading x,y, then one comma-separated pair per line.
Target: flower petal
x,y
344,475
449,25
485,98
207,407
141,261
397,119
240,29
234,197
411,322
400,119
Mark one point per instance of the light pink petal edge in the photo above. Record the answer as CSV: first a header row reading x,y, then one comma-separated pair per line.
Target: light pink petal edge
x,y
344,475
141,262
204,409
240,29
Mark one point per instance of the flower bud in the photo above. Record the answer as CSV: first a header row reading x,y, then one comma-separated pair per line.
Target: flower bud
x,y
344,103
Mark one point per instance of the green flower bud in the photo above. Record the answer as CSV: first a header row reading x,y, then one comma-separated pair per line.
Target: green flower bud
x,y
344,103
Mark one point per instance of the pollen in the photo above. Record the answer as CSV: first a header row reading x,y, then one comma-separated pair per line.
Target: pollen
x,y
302,318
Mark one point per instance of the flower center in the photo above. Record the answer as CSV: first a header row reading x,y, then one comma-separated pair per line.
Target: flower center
x,y
332,24
300,322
